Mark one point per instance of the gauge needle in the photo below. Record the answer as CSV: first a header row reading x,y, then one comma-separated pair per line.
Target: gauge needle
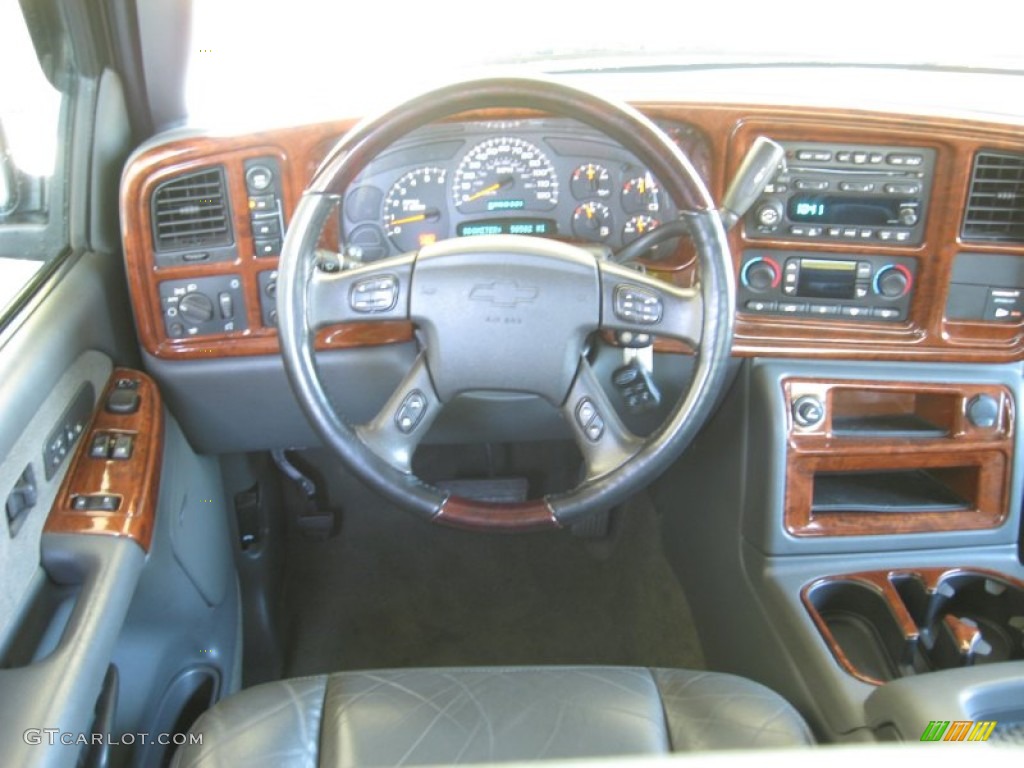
x,y
489,190
432,213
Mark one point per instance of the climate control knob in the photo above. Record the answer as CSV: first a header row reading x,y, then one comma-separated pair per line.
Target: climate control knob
x,y
196,308
760,274
893,281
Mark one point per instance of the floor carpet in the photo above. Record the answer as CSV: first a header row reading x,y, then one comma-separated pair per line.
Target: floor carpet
x,y
394,591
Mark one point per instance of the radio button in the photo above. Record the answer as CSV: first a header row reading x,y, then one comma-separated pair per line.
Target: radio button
x,y
863,270
902,237
814,231
813,185
755,305
856,311
886,313
900,158
791,307
876,158
814,154
843,157
856,186
867,234
885,234
860,291
835,231
902,189
849,232
859,158
798,231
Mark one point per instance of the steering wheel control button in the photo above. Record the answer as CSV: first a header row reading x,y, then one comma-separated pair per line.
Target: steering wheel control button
x,y
637,305
411,412
636,387
374,294
808,411
589,419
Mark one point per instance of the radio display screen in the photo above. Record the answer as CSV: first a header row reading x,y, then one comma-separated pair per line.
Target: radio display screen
x,y
864,211
827,279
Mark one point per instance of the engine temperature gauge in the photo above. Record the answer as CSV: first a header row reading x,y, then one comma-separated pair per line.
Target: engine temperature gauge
x,y
637,226
592,221
591,180
640,194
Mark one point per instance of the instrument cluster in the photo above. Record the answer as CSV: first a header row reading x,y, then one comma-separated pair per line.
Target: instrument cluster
x,y
542,177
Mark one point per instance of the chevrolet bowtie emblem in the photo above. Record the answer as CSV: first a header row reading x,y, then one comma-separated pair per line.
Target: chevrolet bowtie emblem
x,y
504,293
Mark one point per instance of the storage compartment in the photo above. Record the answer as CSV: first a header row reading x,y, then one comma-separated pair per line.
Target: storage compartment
x,y
883,625
893,413
947,489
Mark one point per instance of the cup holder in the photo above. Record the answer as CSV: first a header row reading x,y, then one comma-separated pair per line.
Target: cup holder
x,y
886,624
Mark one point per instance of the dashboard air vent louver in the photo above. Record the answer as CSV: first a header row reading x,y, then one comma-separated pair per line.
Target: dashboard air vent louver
x,y
192,211
995,205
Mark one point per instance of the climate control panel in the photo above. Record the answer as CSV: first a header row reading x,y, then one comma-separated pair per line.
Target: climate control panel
x,y
830,286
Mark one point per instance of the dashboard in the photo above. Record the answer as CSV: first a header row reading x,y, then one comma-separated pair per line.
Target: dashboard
x,y
889,236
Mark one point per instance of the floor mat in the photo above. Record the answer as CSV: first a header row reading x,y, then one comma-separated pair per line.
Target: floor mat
x,y
394,591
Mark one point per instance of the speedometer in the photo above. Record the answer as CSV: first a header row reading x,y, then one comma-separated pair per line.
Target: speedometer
x,y
505,174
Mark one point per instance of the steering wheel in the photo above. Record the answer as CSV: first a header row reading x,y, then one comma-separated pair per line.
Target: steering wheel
x,y
508,313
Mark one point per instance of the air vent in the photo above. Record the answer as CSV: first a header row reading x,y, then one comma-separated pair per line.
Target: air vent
x,y
192,211
995,208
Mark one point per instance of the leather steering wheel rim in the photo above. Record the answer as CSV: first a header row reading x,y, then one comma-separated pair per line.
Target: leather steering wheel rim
x,y
715,308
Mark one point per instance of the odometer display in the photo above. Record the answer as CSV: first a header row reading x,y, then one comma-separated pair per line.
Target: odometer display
x,y
534,227
505,174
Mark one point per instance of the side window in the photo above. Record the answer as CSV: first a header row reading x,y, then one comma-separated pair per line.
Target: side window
x,y
33,226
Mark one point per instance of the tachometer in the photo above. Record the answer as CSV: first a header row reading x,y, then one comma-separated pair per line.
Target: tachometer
x,y
505,174
414,209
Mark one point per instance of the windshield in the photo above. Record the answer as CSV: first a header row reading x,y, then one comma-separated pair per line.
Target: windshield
x,y
311,59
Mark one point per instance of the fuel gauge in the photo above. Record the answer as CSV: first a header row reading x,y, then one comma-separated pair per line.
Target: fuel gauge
x,y
592,221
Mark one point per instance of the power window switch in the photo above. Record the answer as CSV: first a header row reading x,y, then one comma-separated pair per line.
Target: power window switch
x,y
123,445
100,446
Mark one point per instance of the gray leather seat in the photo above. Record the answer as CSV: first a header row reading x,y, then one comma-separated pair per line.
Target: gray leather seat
x,y
476,715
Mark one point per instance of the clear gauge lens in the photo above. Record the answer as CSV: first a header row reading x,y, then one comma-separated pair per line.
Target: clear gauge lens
x,y
591,180
640,194
505,174
638,226
592,221
414,209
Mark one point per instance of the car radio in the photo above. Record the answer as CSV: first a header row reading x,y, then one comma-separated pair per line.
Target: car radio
x,y
828,285
846,193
